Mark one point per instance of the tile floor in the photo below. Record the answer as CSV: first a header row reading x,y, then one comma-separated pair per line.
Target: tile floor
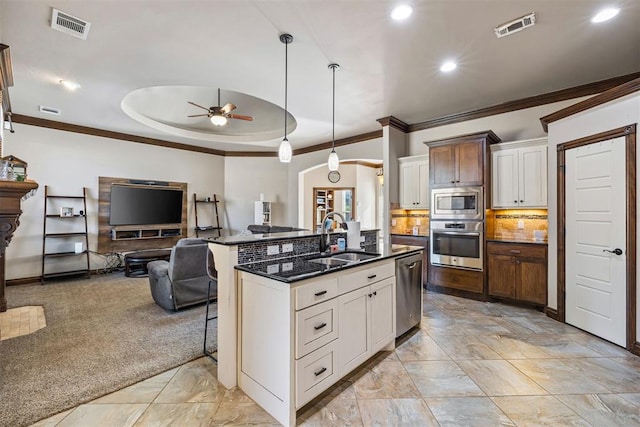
x,y
21,321
470,364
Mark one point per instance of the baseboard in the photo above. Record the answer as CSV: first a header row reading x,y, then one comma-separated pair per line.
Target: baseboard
x,y
23,281
38,279
635,348
455,292
551,312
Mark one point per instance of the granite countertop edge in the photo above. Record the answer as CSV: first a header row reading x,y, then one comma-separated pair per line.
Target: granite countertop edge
x,y
516,240
393,251
264,237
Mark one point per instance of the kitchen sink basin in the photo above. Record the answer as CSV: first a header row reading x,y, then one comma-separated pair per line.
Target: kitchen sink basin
x,y
328,261
354,256
343,258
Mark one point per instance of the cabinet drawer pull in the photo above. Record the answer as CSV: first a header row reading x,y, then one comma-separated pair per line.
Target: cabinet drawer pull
x,y
320,293
375,293
320,372
373,276
514,251
412,266
320,326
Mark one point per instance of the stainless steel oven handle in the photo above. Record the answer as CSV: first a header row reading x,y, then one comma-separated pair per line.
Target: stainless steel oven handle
x,y
457,233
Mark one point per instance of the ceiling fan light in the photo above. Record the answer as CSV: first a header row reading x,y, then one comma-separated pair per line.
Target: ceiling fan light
x,y
284,152
334,161
218,120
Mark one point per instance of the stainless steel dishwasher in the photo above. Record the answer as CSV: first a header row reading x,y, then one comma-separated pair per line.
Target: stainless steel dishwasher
x,y
408,292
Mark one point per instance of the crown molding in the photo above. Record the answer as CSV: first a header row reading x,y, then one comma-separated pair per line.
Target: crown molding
x,y
532,101
339,142
395,123
609,95
52,124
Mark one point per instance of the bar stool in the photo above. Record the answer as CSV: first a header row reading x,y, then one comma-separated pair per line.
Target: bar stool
x,y
213,284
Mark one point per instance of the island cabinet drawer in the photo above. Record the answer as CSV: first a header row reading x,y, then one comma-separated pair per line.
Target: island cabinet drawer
x,y
316,326
514,249
315,373
315,292
365,275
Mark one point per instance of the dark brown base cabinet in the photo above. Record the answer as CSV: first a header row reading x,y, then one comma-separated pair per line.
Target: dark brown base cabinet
x,y
517,272
456,281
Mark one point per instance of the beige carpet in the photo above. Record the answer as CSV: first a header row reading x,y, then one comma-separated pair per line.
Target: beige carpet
x,y
102,334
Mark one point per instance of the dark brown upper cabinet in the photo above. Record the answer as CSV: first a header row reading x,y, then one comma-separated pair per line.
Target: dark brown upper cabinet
x,y
460,161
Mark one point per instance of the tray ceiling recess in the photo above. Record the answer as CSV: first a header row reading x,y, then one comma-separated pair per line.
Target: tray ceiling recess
x,y
166,108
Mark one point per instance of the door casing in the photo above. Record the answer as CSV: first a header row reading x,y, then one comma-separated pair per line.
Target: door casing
x,y
629,133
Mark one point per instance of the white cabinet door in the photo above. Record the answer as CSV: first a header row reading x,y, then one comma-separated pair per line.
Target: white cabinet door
x,y
352,330
532,179
504,178
408,188
382,303
423,184
519,175
414,182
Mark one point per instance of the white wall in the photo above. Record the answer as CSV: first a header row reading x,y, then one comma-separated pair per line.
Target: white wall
x,y
612,115
367,197
317,178
245,178
512,126
67,161
370,149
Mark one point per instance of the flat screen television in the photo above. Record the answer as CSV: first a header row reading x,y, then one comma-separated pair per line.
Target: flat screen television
x,y
134,205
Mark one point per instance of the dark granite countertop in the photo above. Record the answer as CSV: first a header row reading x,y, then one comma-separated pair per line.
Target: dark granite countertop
x,y
423,236
529,240
253,238
296,268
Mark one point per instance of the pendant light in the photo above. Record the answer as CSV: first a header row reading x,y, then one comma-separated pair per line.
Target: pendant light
x,y
285,152
334,161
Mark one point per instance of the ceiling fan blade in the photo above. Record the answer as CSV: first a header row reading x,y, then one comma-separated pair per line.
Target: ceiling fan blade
x,y
199,106
229,107
199,115
237,116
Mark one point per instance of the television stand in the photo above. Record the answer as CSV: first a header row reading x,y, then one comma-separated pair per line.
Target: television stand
x,y
118,233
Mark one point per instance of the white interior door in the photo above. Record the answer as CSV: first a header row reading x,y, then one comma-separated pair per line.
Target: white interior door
x,y
595,224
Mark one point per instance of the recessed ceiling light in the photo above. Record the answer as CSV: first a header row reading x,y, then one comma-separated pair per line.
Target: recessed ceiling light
x,y
605,15
448,66
71,85
401,12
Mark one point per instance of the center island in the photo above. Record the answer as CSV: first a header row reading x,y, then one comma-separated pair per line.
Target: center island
x,y
293,321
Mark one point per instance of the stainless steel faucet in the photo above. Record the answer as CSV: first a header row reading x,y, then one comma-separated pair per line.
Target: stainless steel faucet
x,y
324,236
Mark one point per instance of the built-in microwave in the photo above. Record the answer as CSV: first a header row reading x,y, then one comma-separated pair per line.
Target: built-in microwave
x,y
457,203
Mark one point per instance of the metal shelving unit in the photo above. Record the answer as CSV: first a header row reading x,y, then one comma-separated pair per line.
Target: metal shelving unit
x,y
66,237
208,201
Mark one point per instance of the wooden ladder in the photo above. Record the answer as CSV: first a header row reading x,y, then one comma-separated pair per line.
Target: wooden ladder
x,y
214,202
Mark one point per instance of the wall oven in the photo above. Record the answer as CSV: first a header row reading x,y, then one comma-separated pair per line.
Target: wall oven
x,y
457,203
457,244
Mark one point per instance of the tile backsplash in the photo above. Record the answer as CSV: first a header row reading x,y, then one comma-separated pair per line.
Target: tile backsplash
x,y
504,223
403,221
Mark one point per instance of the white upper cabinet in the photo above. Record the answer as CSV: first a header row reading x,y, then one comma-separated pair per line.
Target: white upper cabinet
x,y
414,182
519,174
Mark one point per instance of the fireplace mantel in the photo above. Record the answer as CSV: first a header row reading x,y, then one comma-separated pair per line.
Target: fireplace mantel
x,y
11,193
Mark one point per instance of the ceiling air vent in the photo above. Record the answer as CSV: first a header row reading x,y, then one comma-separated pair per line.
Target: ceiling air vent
x,y
50,110
69,24
516,25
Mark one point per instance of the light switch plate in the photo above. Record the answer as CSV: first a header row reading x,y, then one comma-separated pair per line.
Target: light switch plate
x,y
393,222
287,247
520,225
418,222
273,250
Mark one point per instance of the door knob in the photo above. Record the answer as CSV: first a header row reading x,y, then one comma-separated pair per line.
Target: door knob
x,y
616,251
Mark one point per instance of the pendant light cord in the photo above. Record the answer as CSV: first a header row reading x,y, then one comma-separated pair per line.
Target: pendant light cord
x,y
286,67
333,113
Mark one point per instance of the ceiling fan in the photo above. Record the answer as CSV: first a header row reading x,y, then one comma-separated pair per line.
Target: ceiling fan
x,y
220,115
